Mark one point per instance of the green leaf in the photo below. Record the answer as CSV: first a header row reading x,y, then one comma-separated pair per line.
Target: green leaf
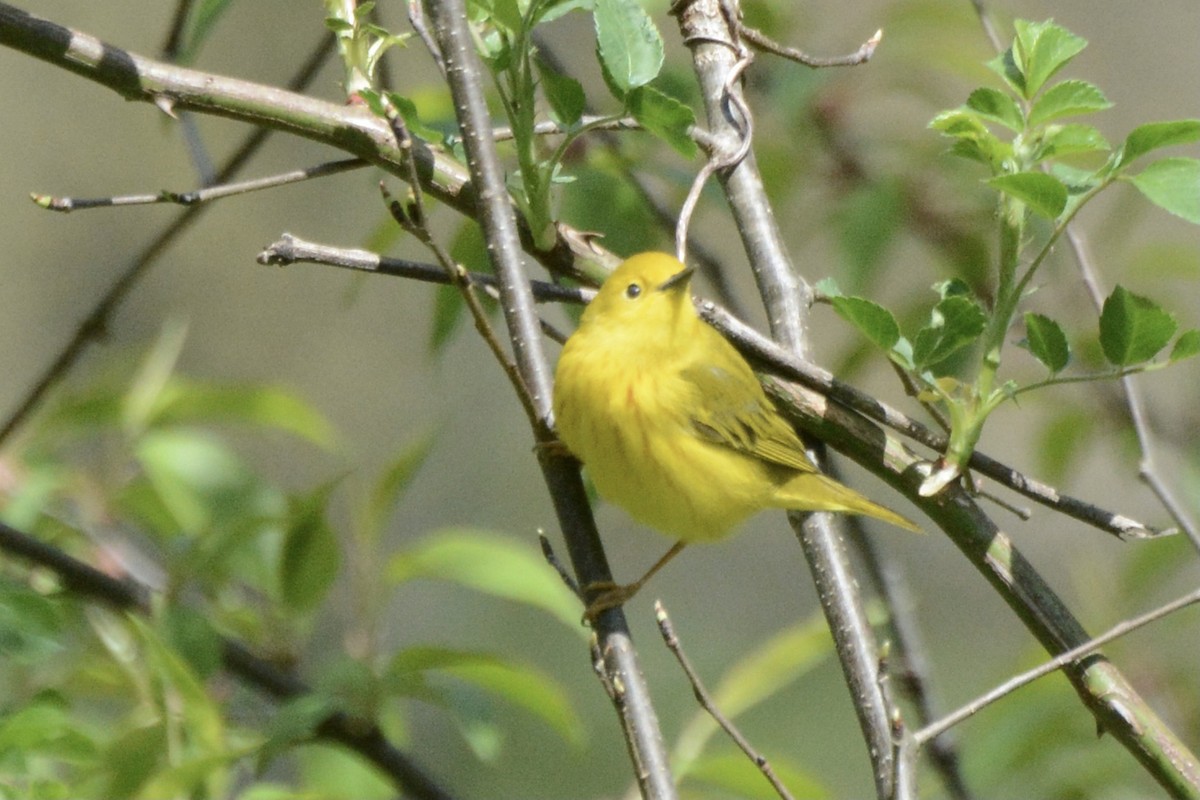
x,y
665,117
199,481
518,684
997,106
448,310
200,24
1067,99
1155,135
1132,328
1061,140
311,557
564,93
1186,346
1044,194
295,721
734,775
1042,49
407,110
391,484
954,323
873,320
973,139
132,758
489,563
191,634
631,48
1046,341
557,8
190,402
1173,184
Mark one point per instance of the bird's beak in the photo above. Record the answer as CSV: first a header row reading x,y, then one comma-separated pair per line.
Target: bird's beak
x,y
680,278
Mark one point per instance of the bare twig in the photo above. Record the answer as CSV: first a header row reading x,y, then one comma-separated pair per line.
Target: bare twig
x,y
197,196
915,677
763,42
617,660
1148,468
667,630
1058,662
94,323
718,55
416,18
357,734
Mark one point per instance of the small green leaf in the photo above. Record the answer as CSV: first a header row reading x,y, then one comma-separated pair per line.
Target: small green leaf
x,y
664,116
629,43
1155,135
1132,328
1044,194
564,93
1061,140
490,563
448,310
997,106
1042,49
296,720
189,402
734,775
873,320
518,684
407,110
973,139
1173,184
1067,99
1046,341
391,484
954,323
1186,346
311,556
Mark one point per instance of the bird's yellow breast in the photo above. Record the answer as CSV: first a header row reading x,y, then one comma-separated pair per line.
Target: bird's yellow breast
x,y
628,425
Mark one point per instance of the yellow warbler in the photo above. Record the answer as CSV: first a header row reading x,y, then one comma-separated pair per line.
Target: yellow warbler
x,y
671,422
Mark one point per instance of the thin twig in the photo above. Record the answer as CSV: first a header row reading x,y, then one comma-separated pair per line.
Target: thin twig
x,y
1148,468
915,679
617,660
1053,665
197,196
416,18
763,42
96,320
412,218
361,736
718,57
667,630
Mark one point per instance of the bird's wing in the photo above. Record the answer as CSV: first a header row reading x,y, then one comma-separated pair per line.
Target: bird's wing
x,y
730,409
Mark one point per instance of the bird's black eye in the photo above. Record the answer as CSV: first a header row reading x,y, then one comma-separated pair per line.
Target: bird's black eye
x,y
633,290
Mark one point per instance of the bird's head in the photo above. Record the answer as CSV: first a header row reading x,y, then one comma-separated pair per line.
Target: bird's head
x,y
647,296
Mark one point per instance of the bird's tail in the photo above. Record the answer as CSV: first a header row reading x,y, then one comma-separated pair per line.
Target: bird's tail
x,y
817,492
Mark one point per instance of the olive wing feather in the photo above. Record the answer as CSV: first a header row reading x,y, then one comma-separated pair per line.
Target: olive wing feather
x,y
730,409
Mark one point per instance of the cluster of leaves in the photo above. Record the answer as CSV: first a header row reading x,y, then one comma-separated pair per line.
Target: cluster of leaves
x,y
1042,176
139,706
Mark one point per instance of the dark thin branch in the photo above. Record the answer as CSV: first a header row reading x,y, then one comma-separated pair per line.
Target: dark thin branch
x,y
173,46
197,196
667,630
14,27
915,678
617,660
718,56
359,735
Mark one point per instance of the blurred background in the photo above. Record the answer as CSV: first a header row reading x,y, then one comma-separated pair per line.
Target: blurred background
x,y
836,146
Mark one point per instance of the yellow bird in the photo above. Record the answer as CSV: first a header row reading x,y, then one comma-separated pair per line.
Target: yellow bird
x,y
670,421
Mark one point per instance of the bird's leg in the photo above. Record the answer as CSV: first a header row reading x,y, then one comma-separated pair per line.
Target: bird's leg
x,y
612,594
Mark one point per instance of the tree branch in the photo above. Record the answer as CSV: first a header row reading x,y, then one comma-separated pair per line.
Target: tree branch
x,y
717,58
127,595
621,673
